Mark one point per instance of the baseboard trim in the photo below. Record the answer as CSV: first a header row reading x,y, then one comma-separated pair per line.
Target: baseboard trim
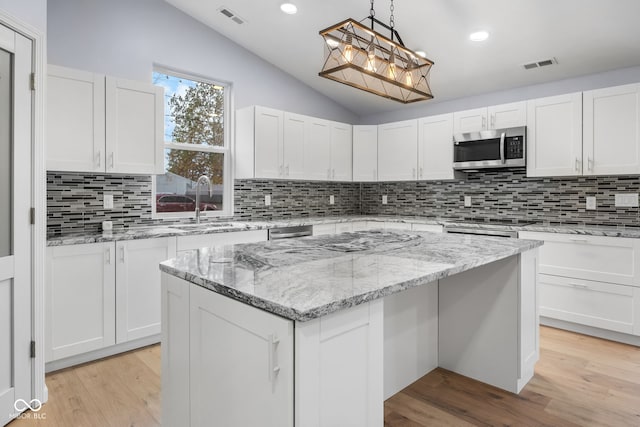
x,y
101,353
589,330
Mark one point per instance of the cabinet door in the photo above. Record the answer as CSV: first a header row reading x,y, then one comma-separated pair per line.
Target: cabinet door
x,y
135,127
612,131
293,154
507,115
435,147
75,120
365,153
470,120
268,141
398,151
317,150
241,362
341,150
80,299
554,139
138,286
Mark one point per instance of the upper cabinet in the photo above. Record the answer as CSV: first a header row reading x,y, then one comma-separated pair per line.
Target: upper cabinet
x,y
295,131
435,147
259,143
611,127
103,124
341,151
397,151
365,153
554,135
494,117
317,149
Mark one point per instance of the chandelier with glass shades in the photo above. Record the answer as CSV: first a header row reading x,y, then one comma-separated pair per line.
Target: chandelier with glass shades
x,y
359,56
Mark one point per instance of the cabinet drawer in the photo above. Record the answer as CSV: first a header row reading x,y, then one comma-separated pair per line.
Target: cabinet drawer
x,y
603,259
601,305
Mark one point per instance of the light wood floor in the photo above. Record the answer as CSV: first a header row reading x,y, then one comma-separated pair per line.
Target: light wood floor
x,y
579,381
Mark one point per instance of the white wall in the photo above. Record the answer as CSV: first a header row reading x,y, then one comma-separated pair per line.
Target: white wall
x,y
31,12
429,108
124,38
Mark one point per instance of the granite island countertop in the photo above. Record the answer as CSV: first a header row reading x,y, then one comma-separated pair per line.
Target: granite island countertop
x,y
305,278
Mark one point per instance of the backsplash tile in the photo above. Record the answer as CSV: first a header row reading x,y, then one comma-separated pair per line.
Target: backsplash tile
x,y
74,200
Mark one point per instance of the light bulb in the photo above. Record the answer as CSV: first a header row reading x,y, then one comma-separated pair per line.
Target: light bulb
x,y
408,79
392,66
371,57
348,52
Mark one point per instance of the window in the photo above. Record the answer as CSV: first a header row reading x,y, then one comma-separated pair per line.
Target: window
x,y
196,133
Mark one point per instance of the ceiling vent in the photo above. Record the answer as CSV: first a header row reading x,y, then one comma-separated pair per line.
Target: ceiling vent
x,y
231,15
540,64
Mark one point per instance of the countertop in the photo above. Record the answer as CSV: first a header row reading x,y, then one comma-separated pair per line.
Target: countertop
x,y
305,278
225,226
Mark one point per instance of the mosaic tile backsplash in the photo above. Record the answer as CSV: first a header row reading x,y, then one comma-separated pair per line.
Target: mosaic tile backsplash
x,y
74,201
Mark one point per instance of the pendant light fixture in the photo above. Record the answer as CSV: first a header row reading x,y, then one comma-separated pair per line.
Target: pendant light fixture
x,y
361,57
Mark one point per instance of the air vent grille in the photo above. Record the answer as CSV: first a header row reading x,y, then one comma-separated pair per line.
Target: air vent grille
x,y
539,64
231,15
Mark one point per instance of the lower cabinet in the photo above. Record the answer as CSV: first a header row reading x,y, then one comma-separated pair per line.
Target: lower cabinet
x,y
102,294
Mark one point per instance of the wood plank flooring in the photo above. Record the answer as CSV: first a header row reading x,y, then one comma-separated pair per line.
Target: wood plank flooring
x,y
579,381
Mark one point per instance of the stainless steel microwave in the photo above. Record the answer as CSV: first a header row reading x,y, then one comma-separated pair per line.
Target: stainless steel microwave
x,y
499,148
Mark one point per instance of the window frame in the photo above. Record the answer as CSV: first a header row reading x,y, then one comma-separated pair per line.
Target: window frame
x,y
226,150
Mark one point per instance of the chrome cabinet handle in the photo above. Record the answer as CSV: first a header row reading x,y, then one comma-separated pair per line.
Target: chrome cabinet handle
x,y
576,164
122,254
334,174
502,157
579,286
98,159
484,123
274,368
421,172
111,160
108,256
579,240
329,173
589,164
287,170
413,174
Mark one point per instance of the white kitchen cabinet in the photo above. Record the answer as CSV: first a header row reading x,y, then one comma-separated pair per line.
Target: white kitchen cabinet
x,y
234,343
611,126
317,150
80,299
435,147
365,153
293,146
554,135
341,151
75,120
134,127
493,117
398,151
138,286
259,143
103,124
197,241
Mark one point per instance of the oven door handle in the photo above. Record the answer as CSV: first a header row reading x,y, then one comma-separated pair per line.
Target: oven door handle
x,y
502,158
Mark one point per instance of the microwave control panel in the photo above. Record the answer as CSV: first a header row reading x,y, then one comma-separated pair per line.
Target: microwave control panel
x,y
514,147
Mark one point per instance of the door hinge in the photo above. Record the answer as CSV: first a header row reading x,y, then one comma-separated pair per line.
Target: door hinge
x,y
32,216
32,80
33,349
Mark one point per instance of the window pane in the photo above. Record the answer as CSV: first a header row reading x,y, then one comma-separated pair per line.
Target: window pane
x,y
6,173
194,111
176,189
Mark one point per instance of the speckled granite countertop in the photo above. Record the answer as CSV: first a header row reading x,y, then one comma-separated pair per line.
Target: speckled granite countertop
x,y
225,226
305,278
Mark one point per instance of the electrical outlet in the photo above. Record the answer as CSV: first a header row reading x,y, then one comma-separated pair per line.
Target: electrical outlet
x,y
384,199
267,199
627,200
332,199
108,201
467,201
591,203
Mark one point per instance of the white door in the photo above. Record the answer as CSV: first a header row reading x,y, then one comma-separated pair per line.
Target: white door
x,y
470,120
365,153
612,130
398,151
15,228
341,150
134,127
317,150
435,147
554,135
294,133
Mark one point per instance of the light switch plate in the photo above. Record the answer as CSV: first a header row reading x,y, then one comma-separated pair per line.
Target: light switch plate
x,y
332,199
591,203
108,201
627,200
467,201
384,200
267,199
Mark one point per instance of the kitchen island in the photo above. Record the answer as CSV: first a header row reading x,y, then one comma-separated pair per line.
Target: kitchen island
x,y
319,331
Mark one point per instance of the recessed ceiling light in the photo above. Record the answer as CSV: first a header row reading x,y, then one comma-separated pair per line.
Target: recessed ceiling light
x,y
289,8
479,36
421,53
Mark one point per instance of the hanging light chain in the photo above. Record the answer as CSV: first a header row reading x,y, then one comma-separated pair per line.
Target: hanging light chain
x,y
392,21
372,12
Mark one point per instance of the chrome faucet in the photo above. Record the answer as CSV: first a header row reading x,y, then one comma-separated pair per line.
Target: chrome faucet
x,y
203,179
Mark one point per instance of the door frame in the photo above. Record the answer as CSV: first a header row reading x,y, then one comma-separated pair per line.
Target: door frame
x,y
38,197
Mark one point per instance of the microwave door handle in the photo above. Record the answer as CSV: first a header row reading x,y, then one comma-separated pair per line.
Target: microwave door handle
x,y
502,159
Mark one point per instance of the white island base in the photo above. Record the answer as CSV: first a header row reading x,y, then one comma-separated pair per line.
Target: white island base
x,y
225,363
